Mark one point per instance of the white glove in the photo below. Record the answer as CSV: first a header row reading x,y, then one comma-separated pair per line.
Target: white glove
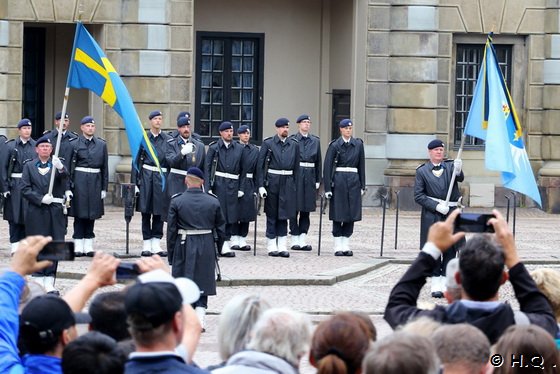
x,y
457,166
103,195
328,195
262,192
187,148
6,194
442,208
47,199
240,194
362,192
57,163
317,184
136,191
69,195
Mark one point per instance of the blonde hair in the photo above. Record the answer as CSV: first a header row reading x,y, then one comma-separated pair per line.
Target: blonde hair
x,y
548,282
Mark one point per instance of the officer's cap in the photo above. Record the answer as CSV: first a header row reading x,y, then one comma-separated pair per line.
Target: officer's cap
x,y
154,113
23,122
436,143
243,129
281,122
303,117
58,115
87,119
43,139
183,121
345,123
226,126
196,172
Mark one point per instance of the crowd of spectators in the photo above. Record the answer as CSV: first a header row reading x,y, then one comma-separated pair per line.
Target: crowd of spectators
x,y
150,326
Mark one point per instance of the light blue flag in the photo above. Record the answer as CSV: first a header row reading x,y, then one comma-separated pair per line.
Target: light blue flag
x,y
492,117
90,69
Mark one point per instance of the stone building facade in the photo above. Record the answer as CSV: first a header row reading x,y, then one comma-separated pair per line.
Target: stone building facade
x,y
396,67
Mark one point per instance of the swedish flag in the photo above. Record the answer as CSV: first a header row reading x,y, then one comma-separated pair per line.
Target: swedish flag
x,y
90,69
492,117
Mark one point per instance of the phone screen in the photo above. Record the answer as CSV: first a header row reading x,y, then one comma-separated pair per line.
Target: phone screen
x,y
57,251
473,222
127,270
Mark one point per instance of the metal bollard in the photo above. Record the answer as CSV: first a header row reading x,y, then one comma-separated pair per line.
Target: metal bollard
x,y
129,199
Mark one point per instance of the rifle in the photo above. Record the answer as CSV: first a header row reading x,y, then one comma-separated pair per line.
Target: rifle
x,y
267,165
335,164
140,167
217,255
213,170
324,205
12,162
73,162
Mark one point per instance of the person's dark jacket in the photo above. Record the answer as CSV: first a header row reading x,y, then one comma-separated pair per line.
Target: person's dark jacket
x,y
166,363
493,321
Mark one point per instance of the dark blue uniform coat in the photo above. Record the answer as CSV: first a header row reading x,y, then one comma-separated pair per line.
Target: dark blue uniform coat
x,y
66,146
346,201
281,189
310,152
195,257
247,209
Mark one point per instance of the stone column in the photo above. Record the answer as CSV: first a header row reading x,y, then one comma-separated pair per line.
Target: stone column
x,y
11,56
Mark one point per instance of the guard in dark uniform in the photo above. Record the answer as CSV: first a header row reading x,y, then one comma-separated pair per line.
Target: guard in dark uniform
x,y
66,143
14,154
89,185
430,191
345,183
194,218
246,208
151,197
175,133
278,166
45,212
225,180
182,153
308,181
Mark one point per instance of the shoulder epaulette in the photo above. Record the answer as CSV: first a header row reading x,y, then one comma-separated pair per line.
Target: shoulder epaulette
x,y
212,143
11,140
171,139
419,166
360,140
102,139
315,136
212,194
294,139
265,139
332,141
177,194
448,161
46,132
74,133
26,161
72,139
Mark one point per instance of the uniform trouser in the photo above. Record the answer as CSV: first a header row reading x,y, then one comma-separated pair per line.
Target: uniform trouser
x,y
276,227
83,228
152,226
345,229
201,302
17,232
228,231
300,226
240,228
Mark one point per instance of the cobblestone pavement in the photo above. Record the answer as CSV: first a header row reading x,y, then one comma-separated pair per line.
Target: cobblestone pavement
x,y
318,285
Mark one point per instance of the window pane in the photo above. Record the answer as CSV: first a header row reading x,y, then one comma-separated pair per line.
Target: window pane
x,y
204,112
205,96
247,81
218,47
236,48
247,97
206,47
217,97
248,64
218,63
217,80
236,96
203,128
248,48
236,80
247,113
234,113
206,80
217,113
206,63
236,64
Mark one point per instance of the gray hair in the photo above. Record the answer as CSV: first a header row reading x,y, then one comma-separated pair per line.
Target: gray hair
x,y
282,332
236,322
462,346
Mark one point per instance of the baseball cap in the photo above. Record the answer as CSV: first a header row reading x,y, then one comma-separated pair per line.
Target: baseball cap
x,y
157,296
45,317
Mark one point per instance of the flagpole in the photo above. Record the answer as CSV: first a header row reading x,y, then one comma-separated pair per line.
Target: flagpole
x,y
59,137
459,153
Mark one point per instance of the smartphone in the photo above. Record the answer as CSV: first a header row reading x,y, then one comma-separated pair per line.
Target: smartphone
x,y
473,222
127,270
57,250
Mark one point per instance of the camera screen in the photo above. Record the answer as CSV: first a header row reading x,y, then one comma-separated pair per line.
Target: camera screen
x,y
473,222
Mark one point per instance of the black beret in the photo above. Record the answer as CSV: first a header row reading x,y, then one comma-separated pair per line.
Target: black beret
x,y
59,115
184,114
23,122
194,171
225,126
183,121
154,113
345,123
303,117
87,119
436,143
243,129
44,139
281,122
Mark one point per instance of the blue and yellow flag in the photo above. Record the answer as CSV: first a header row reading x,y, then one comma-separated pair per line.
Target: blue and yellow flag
x,y
492,118
90,69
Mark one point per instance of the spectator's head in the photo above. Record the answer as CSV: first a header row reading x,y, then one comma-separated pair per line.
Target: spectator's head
x,y
154,309
236,322
339,344
422,325
402,352
283,333
548,281
532,343
452,288
462,348
94,353
47,325
108,315
365,322
481,268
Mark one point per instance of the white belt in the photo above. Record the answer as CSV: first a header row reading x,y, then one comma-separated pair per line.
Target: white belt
x,y
227,175
88,170
281,172
347,169
153,168
307,164
58,200
249,175
450,204
193,232
16,175
178,171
